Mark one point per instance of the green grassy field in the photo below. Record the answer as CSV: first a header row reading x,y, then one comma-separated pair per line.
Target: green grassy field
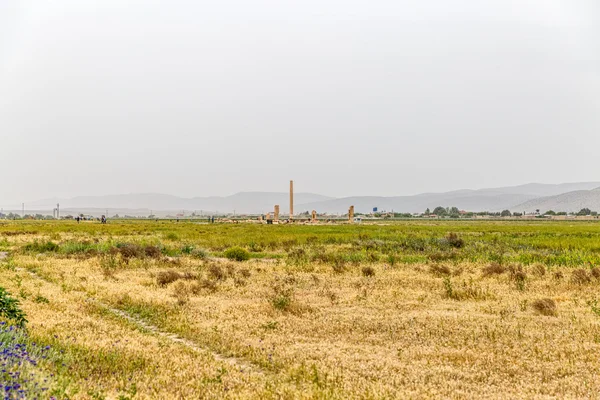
x,y
461,309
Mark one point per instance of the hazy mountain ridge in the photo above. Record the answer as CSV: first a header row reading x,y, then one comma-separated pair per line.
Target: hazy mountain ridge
x,y
571,202
244,202
526,197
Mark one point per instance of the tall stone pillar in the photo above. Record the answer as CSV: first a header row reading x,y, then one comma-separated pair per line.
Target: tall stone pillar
x,y
291,200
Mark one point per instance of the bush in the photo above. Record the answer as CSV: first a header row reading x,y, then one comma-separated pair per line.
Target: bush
x,y
237,254
10,308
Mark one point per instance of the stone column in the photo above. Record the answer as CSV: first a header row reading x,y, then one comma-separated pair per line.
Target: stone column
x,y
291,200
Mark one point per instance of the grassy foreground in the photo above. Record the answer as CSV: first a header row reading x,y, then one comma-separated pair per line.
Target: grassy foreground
x,y
427,309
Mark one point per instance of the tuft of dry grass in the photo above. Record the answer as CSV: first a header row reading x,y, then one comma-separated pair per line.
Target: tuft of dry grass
x,y
580,277
440,269
163,278
539,269
152,252
493,269
368,271
545,307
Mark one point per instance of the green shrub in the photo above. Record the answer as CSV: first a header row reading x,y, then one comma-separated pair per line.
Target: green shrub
x,y
10,308
237,254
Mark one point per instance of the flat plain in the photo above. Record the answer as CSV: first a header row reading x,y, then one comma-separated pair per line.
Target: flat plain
x,y
407,309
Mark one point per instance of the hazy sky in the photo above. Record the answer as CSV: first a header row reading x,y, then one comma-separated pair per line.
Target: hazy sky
x,y
347,97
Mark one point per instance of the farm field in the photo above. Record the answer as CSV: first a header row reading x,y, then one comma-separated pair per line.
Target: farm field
x,y
410,309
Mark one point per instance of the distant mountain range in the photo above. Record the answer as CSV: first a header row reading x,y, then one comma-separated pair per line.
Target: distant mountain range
x,y
571,202
529,197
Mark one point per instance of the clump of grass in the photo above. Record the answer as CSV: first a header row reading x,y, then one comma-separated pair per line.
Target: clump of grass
x,y
187,249
110,264
163,278
10,308
41,247
282,297
539,269
172,236
181,292
245,273
368,271
580,277
518,276
237,254
297,256
442,256
41,299
440,269
255,247
207,284
392,259
465,291
557,275
339,266
200,254
454,240
217,272
493,268
129,251
545,307
152,251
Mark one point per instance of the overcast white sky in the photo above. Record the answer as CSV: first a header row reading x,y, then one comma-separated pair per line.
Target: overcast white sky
x,y
346,97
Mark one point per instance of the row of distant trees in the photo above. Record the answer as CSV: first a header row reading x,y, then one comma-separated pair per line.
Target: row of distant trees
x,y
582,212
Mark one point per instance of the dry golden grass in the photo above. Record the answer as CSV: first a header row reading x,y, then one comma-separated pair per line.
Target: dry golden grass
x,y
271,329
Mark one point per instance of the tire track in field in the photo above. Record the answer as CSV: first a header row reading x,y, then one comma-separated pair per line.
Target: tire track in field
x,y
140,323
172,337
